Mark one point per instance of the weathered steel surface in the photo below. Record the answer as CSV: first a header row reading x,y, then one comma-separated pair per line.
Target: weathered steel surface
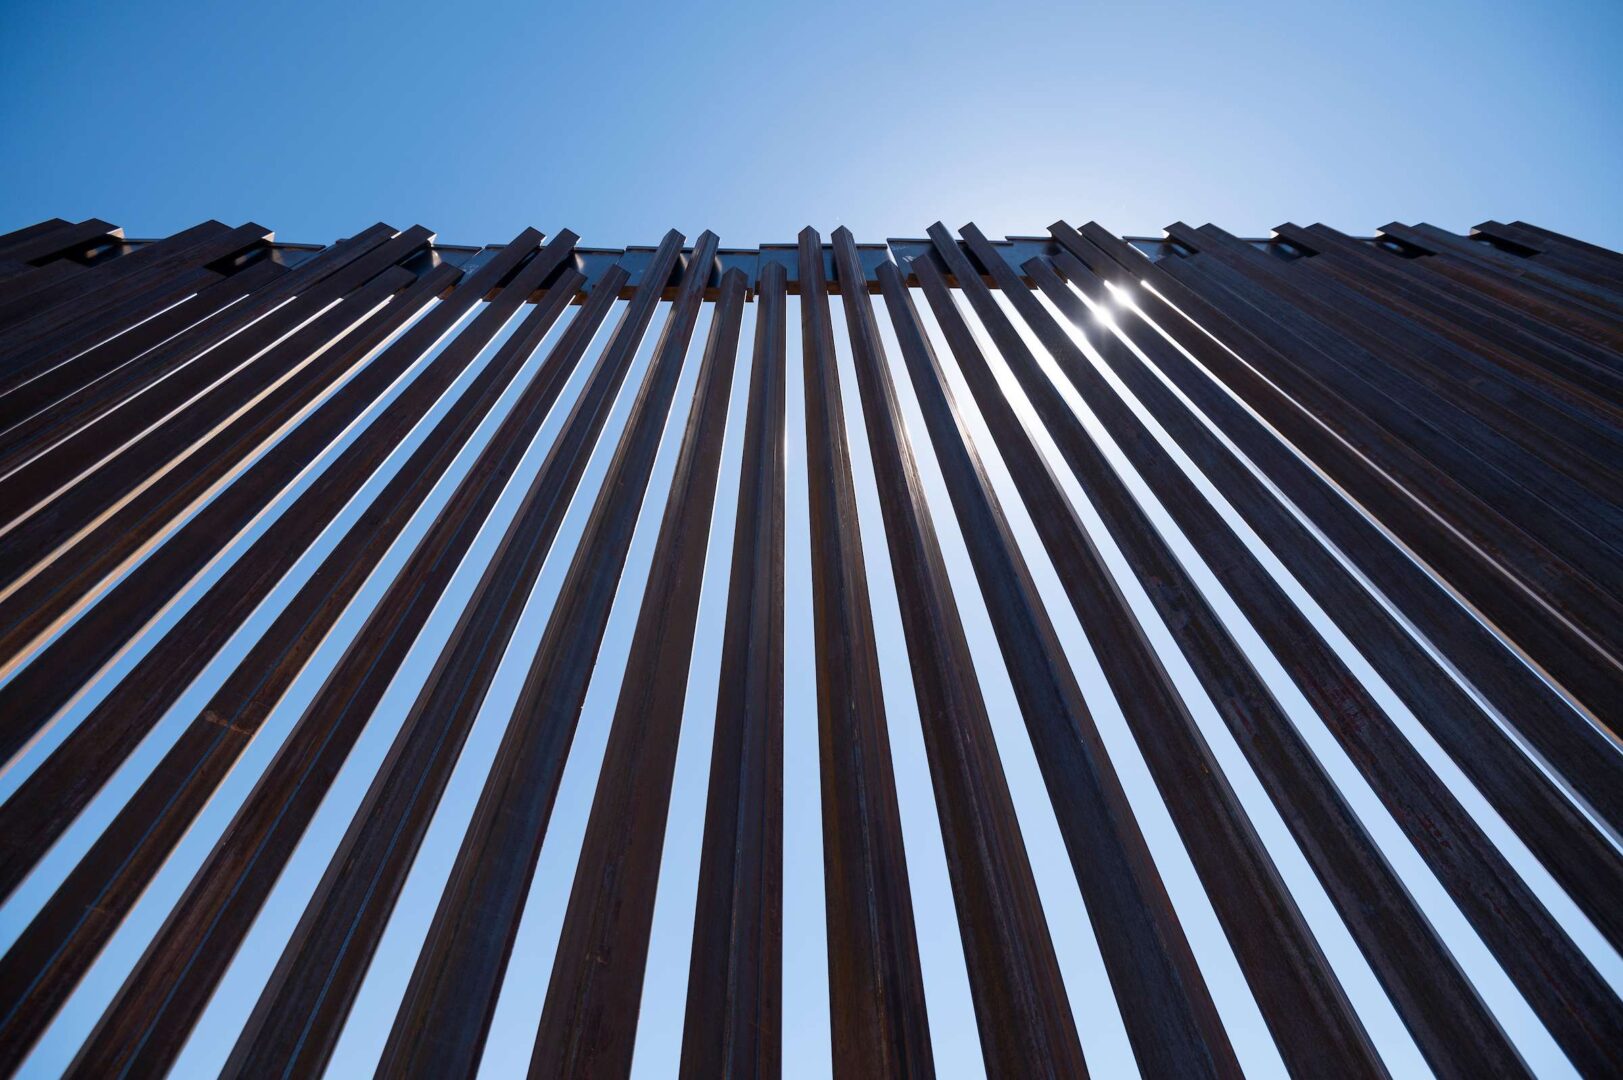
x,y
131,851
302,1010
876,989
58,401
84,535
137,703
590,1016
1312,1023
1571,847
1020,1001
1527,940
452,994
227,893
734,1022
1422,429
1176,1029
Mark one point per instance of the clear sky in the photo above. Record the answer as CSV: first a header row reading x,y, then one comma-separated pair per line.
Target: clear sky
x,y
623,120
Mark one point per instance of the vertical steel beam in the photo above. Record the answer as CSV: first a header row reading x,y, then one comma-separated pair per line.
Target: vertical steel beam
x,y
734,1020
1512,582
1577,854
448,1004
119,866
597,982
302,1010
211,920
1560,984
1173,1024
49,406
1021,1006
876,989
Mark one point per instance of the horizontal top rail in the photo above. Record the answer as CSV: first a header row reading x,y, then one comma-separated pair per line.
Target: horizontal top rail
x,y
594,262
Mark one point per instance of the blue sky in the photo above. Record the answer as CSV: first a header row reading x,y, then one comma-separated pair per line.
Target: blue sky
x,y
623,120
